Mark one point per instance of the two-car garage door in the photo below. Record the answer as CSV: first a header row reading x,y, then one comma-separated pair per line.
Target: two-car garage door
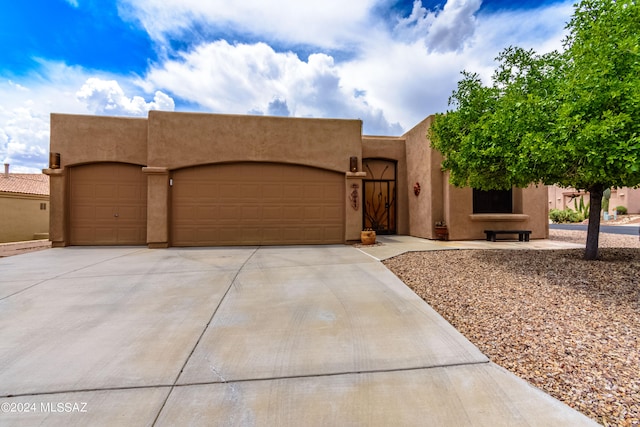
x,y
256,204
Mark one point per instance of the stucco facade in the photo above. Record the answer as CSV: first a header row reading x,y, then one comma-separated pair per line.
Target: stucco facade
x,y
200,179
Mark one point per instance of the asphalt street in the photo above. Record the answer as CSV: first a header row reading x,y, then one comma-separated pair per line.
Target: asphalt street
x,y
612,229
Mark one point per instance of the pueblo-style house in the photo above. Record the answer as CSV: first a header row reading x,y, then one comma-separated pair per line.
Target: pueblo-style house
x,y
191,179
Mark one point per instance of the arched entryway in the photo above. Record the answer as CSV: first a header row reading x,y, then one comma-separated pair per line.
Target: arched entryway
x,y
379,189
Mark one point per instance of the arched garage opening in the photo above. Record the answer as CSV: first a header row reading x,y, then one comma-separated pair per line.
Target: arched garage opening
x,y
253,203
107,204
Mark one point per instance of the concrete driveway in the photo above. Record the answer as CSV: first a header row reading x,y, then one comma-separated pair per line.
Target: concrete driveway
x,y
321,335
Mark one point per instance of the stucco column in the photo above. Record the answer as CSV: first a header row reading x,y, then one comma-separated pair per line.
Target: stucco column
x,y
157,206
57,207
353,214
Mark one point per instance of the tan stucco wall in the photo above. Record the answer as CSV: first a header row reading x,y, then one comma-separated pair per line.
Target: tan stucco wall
x,y
423,167
167,141
88,139
630,196
158,210
22,218
529,206
179,140
391,148
58,209
353,208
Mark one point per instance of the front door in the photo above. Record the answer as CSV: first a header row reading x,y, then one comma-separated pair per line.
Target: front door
x,y
379,196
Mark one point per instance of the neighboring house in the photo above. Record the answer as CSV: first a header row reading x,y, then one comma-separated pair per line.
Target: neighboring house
x,y
192,179
562,198
24,206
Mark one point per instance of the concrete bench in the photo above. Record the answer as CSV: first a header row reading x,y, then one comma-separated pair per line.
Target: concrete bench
x,y
523,235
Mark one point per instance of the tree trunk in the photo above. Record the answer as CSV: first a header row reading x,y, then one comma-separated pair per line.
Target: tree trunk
x,y
593,230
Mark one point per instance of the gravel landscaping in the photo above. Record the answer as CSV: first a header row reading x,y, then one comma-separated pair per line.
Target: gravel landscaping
x,y
568,326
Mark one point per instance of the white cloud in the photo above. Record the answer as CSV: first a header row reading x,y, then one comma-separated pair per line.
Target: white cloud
x,y
73,3
328,23
442,31
245,78
17,86
453,26
107,97
24,115
399,75
408,81
398,72
24,138
27,105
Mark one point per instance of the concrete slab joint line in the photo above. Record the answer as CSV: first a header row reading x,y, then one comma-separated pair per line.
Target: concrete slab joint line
x,y
231,283
286,335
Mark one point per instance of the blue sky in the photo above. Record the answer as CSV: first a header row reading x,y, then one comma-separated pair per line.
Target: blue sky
x,y
390,63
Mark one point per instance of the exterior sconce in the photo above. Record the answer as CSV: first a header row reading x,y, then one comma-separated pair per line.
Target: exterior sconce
x,y
353,164
416,188
54,160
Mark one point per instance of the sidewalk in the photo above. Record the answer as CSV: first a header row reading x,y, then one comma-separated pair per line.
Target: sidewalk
x,y
390,246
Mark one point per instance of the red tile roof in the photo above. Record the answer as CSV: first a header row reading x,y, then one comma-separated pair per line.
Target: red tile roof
x,y
25,183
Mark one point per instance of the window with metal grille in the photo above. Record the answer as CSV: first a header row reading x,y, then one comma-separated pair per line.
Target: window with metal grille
x,y
492,201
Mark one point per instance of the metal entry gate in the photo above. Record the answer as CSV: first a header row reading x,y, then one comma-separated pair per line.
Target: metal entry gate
x,y
379,190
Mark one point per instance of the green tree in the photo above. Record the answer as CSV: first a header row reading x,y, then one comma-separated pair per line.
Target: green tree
x,y
569,118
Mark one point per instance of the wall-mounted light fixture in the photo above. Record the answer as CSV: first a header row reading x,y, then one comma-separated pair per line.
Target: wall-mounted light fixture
x,y
54,160
353,164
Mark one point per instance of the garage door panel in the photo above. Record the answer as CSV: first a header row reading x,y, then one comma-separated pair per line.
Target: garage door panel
x,y
334,232
104,191
108,204
128,235
272,191
100,213
208,211
129,192
291,212
131,213
228,191
104,235
333,212
258,203
248,213
290,191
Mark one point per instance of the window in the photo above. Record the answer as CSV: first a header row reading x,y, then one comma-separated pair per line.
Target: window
x,y
43,206
492,201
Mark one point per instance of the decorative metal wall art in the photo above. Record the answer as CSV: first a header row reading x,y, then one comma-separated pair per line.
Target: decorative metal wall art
x,y
354,197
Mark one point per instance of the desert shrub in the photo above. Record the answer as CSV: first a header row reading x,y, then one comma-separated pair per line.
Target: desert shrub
x,y
573,216
566,215
621,210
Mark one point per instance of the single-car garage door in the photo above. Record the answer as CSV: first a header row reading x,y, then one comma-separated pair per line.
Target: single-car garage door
x,y
108,204
256,204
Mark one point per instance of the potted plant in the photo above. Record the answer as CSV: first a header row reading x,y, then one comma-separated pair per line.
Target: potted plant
x,y
368,236
442,233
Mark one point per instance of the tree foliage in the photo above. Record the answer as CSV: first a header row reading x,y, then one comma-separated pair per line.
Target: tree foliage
x,y
570,118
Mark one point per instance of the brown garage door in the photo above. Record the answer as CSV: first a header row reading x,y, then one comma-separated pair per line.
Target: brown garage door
x,y
108,204
256,204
